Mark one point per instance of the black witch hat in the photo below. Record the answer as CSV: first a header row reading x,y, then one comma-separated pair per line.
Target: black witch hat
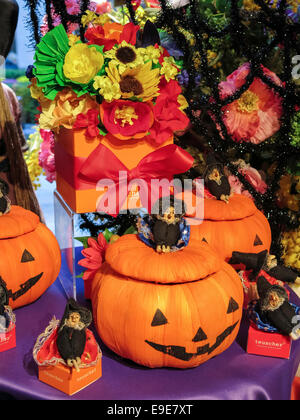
x,y
251,261
73,306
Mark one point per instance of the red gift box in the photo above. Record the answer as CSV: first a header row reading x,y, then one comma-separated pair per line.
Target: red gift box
x,y
268,344
8,338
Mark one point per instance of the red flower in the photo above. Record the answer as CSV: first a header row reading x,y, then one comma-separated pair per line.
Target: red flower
x,y
94,256
111,34
90,121
126,119
255,116
168,118
136,4
129,33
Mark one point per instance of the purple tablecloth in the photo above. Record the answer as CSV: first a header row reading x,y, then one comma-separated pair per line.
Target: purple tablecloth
x,y
233,375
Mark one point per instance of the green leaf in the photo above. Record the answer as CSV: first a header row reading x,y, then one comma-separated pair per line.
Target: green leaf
x,y
130,230
107,235
84,241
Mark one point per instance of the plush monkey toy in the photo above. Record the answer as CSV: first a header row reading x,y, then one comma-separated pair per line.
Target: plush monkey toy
x,y
215,179
263,261
71,336
274,306
167,214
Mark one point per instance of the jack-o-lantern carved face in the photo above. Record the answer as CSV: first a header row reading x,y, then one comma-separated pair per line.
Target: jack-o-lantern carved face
x,y
32,257
163,321
179,352
28,284
234,226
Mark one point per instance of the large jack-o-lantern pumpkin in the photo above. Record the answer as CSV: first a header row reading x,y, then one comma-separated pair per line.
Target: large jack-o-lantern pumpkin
x,y
177,309
234,226
30,256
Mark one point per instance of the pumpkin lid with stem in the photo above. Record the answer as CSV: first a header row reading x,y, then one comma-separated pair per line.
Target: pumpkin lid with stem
x,y
131,257
238,207
17,222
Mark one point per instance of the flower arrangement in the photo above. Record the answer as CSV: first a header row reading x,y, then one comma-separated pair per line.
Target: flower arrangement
x,y
40,156
117,80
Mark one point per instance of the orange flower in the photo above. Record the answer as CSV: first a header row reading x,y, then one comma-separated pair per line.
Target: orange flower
x,y
112,33
69,106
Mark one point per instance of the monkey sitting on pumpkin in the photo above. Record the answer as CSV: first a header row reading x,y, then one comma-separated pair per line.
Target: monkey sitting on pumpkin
x,y
167,214
215,179
165,229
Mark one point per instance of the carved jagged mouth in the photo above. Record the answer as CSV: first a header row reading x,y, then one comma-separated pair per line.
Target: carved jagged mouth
x,y
25,287
179,352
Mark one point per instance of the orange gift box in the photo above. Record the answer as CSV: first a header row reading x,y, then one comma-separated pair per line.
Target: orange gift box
x,y
72,148
67,379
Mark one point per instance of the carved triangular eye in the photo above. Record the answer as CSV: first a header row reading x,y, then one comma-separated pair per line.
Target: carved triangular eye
x,y
204,240
257,241
158,319
200,336
233,306
26,257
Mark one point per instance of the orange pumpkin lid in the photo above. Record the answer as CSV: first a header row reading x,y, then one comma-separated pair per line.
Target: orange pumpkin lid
x,y
17,222
239,207
130,257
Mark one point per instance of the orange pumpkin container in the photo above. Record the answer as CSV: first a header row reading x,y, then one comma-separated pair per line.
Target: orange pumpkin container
x,y
236,226
178,309
30,256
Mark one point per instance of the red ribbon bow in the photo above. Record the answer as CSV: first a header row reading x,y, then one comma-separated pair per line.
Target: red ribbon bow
x,y
103,168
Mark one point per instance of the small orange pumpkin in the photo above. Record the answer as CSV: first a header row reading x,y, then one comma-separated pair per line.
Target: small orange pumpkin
x,y
30,256
236,226
178,309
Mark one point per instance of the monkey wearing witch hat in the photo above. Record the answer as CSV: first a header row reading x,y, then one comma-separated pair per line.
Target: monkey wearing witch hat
x,y
215,179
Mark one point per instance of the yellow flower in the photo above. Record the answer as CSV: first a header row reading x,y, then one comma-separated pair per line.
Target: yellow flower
x,y
82,63
37,93
73,39
88,17
182,102
126,114
109,90
63,111
102,19
125,56
291,248
46,120
32,157
169,69
150,54
92,17
140,82
68,106
250,5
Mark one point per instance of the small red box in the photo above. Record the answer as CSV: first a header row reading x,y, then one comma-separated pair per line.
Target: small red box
x,y
8,339
268,344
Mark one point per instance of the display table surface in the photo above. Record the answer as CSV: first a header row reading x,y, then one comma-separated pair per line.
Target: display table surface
x,y
233,375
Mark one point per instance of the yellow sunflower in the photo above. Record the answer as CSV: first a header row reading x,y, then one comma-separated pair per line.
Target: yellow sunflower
x,y
140,82
125,56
